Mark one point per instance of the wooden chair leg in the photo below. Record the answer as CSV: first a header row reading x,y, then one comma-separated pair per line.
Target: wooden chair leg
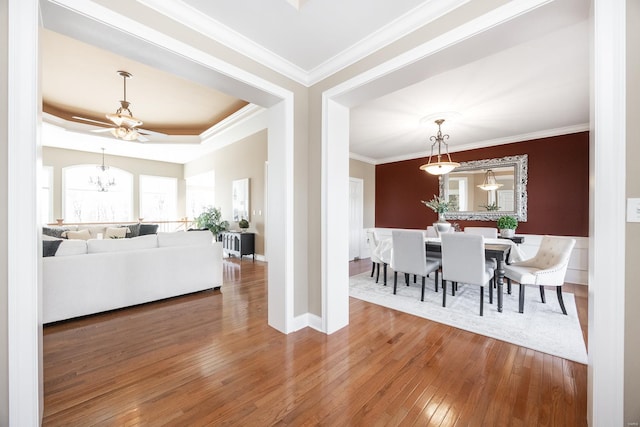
x,y
560,300
377,272
423,282
482,300
454,286
373,268
406,278
544,300
444,293
395,281
521,299
385,273
414,278
490,293
436,280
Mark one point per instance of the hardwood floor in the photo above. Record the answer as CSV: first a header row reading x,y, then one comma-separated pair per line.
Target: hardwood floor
x,y
210,359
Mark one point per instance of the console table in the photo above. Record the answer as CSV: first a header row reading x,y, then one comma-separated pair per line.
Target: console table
x,y
238,243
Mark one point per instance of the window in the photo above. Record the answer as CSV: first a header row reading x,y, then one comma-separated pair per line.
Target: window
x,y
200,193
82,202
158,198
46,194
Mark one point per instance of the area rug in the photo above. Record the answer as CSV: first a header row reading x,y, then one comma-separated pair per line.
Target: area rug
x,y
542,327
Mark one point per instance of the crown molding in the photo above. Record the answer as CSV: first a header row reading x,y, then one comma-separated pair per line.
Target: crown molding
x,y
416,18
582,127
361,158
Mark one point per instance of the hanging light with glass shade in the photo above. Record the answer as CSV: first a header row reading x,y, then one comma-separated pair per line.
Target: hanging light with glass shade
x,y
490,182
440,167
103,181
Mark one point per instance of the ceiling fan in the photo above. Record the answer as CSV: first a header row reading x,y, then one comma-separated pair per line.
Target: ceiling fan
x,y
123,124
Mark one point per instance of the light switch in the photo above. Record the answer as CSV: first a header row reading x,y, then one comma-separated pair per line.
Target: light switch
x,y
633,210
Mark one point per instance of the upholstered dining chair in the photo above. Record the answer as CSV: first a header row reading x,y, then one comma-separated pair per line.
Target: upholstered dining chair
x,y
463,261
376,259
488,232
410,257
547,267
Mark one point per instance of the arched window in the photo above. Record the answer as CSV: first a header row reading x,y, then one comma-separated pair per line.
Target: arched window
x,y
83,200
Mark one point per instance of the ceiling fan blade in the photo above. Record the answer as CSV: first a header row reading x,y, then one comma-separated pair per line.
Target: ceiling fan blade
x,y
101,130
92,121
142,138
150,132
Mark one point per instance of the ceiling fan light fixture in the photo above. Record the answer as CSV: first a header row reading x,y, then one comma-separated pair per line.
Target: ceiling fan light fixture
x,y
123,117
439,167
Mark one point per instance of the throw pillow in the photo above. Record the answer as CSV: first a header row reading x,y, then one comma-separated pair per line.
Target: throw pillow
x,y
54,231
148,229
133,230
80,234
50,247
116,233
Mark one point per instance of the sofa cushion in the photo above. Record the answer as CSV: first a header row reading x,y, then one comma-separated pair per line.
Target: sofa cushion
x,y
148,229
133,230
80,234
117,245
57,231
96,230
183,238
72,247
115,232
49,247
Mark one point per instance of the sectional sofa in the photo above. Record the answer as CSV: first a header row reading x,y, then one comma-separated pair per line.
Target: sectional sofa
x,y
95,275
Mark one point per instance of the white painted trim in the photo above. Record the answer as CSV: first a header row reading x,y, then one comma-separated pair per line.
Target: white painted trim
x,y
215,30
607,173
364,159
361,237
24,287
308,320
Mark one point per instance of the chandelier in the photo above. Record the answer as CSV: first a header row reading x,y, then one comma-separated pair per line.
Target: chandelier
x,y
102,180
439,167
123,117
490,182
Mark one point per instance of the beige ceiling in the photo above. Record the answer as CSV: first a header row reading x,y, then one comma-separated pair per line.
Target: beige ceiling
x,y
82,80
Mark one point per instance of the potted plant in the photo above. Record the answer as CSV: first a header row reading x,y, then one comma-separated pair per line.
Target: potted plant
x,y
211,219
507,225
243,224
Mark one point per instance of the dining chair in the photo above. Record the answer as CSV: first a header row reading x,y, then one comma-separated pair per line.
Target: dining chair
x,y
410,257
488,232
548,267
463,261
376,259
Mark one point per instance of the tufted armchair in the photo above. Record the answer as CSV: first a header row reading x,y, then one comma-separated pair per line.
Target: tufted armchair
x,y
548,267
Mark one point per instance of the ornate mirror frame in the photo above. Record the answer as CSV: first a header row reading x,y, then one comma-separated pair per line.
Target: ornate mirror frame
x,y
520,172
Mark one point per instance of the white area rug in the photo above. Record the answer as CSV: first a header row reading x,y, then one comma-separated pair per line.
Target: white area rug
x,y
541,327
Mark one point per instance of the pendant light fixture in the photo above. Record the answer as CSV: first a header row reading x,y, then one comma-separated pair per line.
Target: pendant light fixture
x,y
440,167
123,117
102,180
490,182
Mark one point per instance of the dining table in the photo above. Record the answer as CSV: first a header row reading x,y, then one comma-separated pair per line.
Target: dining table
x,y
502,250
498,251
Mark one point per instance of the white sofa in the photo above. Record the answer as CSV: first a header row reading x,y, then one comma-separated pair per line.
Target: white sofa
x,y
92,276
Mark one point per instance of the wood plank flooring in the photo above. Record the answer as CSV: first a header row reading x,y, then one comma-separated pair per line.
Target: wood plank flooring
x,y
210,359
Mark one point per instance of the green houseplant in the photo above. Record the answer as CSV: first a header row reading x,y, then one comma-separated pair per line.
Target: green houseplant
x,y
243,224
211,218
507,225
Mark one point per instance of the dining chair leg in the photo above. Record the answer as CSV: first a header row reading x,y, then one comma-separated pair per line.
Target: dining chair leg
x,y
436,280
423,283
508,285
373,268
444,293
544,300
395,281
521,299
454,286
490,293
377,272
414,278
406,278
385,273
560,300
482,300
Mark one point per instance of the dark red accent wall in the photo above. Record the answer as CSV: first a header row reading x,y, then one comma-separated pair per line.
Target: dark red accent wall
x,y
558,187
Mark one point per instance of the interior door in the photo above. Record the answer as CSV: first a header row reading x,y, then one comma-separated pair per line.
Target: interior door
x,y
355,217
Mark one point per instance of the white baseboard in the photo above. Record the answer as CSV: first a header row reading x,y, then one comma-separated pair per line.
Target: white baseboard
x,y
307,320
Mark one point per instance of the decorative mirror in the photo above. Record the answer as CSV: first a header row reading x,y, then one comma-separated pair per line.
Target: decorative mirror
x,y
485,190
240,199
